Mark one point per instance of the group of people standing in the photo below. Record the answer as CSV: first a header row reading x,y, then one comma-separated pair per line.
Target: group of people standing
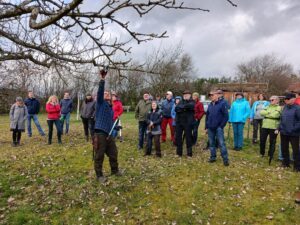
x,y
181,114
184,113
58,114
22,111
100,118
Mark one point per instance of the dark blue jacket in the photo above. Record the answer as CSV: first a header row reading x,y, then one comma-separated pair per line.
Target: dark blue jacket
x,y
66,106
226,102
155,118
104,112
166,107
33,105
216,115
290,120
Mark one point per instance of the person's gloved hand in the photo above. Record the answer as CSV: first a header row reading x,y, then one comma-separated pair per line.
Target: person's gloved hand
x,y
103,73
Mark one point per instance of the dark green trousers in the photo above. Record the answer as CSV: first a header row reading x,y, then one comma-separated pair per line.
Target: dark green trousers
x,y
102,146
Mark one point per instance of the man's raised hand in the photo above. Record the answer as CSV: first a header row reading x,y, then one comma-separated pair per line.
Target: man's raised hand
x,y
102,74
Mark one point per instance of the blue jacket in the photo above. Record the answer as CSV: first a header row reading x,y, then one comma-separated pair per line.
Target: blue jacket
x,y
240,111
166,107
216,115
33,105
173,112
253,109
66,106
173,115
290,120
104,113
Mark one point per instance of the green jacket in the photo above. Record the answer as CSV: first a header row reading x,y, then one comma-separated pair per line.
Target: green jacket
x,y
142,109
271,116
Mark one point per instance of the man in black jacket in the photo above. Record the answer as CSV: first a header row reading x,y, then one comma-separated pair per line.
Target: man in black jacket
x,y
290,131
33,106
184,123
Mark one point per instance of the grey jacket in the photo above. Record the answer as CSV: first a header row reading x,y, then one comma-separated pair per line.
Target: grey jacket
x,y
18,116
88,109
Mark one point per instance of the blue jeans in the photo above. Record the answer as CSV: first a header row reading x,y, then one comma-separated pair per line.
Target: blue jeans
x,y
238,134
36,122
219,135
142,133
66,117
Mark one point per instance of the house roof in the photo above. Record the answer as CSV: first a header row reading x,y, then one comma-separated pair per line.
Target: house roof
x,y
294,87
243,87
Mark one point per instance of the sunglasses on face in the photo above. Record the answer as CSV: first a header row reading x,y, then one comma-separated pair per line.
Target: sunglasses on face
x,y
272,100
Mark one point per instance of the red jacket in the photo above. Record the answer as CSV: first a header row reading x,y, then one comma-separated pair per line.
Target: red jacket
x,y
117,108
199,110
53,111
297,101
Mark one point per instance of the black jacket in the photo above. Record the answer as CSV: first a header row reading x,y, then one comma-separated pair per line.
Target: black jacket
x,y
185,112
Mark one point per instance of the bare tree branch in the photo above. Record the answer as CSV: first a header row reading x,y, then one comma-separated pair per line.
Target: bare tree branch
x,y
46,32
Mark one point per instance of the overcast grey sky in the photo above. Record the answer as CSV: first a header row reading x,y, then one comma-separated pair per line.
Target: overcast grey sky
x,y
226,36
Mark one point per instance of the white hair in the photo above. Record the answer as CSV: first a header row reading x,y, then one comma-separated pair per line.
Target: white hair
x,y
169,93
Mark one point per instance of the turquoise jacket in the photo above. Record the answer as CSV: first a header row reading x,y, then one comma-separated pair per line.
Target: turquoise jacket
x,y
239,111
253,109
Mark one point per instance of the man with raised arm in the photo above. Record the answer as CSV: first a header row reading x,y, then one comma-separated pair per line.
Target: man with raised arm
x,y
103,142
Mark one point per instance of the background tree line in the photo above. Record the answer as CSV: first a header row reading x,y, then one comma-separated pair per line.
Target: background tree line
x,y
175,71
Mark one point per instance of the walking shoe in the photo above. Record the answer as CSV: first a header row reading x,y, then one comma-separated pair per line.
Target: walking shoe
x,y
226,163
211,160
59,142
14,144
297,170
284,165
43,134
29,135
297,198
102,179
117,173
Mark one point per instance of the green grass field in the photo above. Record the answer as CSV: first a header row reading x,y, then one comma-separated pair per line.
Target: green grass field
x,y
41,184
